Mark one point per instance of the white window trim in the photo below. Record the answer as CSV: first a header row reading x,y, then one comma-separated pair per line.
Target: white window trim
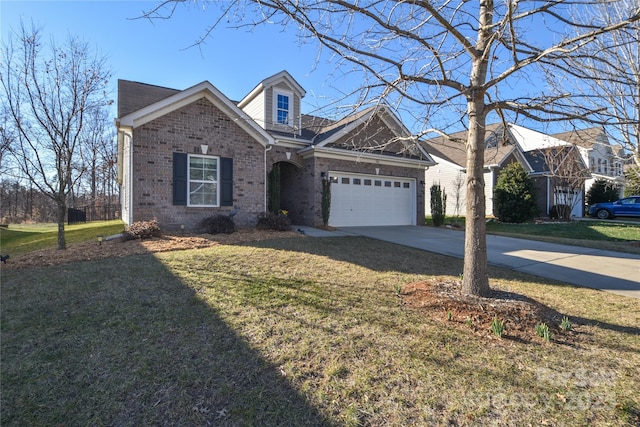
x,y
289,94
217,182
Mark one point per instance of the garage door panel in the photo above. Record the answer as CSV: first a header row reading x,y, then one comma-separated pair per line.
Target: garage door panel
x,y
360,200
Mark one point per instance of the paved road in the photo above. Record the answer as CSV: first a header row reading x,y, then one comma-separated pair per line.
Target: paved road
x,y
606,270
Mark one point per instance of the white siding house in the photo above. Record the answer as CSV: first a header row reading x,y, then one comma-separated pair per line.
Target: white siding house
x,y
451,156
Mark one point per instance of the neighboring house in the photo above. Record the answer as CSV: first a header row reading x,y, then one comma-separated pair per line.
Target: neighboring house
x,y
184,155
539,154
450,172
605,161
557,167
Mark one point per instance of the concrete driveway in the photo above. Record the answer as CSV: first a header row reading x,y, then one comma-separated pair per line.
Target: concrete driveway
x,y
605,270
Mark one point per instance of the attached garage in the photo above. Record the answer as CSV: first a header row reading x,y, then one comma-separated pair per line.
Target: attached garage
x,y
371,200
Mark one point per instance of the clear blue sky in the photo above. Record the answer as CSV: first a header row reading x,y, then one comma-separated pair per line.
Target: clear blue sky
x,y
159,52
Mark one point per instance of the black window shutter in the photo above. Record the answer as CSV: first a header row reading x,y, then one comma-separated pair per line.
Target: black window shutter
x,y
226,181
180,178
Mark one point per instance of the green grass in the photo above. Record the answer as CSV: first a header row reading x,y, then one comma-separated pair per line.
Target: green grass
x,y
599,234
19,239
306,331
607,235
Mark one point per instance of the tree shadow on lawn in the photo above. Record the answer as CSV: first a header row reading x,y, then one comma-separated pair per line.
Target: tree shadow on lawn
x,y
374,255
139,348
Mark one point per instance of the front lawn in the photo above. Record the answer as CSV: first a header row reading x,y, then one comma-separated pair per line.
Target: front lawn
x,y
20,239
607,235
300,331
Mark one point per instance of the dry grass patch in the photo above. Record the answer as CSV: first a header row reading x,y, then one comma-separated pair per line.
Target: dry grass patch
x,y
298,332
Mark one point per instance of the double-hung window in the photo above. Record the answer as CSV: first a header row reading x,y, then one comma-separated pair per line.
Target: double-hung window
x,y
203,180
282,107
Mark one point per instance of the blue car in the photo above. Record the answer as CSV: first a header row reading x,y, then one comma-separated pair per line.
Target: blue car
x,y
629,206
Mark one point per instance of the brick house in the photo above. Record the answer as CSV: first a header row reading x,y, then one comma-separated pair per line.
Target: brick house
x,y
184,155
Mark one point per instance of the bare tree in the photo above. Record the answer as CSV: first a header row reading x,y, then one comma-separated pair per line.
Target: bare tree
x,y
7,139
50,95
567,174
466,58
458,194
608,73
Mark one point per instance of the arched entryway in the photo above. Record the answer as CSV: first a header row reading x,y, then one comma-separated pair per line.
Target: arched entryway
x,y
293,194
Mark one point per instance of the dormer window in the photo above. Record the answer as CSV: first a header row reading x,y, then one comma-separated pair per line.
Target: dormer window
x,y
283,103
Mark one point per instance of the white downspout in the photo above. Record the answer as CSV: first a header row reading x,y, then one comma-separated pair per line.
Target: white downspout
x,y
128,183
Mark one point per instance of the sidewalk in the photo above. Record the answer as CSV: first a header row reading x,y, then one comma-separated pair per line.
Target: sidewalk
x,y
609,271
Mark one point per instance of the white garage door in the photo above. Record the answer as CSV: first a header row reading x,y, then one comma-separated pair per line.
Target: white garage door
x,y
360,200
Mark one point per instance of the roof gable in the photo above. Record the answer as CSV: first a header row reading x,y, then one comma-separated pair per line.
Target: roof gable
x,y
180,99
375,130
529,139
558,160
283,77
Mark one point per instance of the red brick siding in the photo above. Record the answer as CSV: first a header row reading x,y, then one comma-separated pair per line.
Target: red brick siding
x,y
302,183
184,130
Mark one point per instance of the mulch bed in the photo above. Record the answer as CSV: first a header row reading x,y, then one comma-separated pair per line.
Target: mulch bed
x,y
441,299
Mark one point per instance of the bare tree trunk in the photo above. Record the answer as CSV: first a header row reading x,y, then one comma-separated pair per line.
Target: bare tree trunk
x,y
61,213
475,275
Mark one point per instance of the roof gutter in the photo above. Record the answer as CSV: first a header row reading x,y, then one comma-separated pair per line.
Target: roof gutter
x,y
358,156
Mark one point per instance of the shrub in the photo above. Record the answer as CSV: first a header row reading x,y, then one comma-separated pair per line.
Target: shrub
x,y
560,212
217,224
274,189
602,191
438,205
326,200
514,195
142,230
270,221
632,187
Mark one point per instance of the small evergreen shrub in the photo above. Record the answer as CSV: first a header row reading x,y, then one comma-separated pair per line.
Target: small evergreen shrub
x,y
326,200
632,186
514,195
438,205
601,192
270,221
217,224
274,189
142,230
560,212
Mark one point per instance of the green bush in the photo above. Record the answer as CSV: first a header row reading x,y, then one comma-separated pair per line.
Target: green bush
x,y
438,205
632,187
274,189
602,191
217,224
326,200
514,195
142,230
270,221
